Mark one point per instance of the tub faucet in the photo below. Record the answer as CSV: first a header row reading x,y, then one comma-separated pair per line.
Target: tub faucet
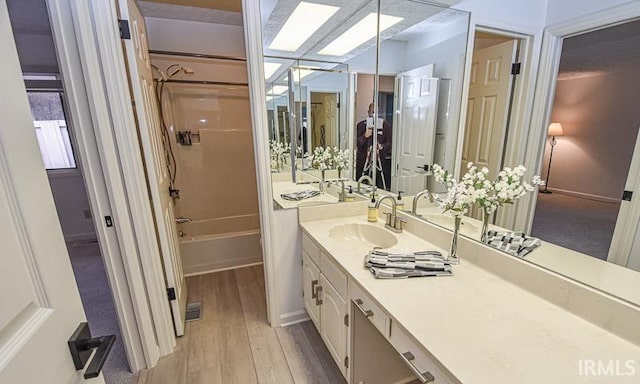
x,y
426,192
394,223
182,220
362,178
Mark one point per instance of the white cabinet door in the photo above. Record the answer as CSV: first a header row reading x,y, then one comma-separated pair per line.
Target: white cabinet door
x,y
40,306
310,281
332,322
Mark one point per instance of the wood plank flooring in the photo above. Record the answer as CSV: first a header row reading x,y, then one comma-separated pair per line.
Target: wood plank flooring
x,y
233,343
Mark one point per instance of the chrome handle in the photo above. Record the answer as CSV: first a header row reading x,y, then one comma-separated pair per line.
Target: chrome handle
x,y
318,299
366,312
389,217
314,294
424,377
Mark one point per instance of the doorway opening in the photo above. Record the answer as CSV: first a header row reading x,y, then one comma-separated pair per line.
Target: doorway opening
x,y
591,163
55,136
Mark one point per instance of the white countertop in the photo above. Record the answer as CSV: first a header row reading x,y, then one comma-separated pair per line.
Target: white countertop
x,y
482,328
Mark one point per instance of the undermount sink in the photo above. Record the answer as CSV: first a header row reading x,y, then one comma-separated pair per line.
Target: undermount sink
x,y
365,234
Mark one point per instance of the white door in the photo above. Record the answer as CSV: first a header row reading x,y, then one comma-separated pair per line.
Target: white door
x,y
151,136
40,306
487,107
416,128
625,244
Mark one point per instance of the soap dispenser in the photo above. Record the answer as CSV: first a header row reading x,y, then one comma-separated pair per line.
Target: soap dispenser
x,y
372,213
350,196
399,202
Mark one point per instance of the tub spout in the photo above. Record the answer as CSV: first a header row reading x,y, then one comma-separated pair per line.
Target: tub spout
x,y
182,220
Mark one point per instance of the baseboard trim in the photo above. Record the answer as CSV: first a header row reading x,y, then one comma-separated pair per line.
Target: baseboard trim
x,y
221,265
292,318
585,195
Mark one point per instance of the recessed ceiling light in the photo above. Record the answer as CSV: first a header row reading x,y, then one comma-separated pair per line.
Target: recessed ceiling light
x,y
300,74
303,22
270,69
361,32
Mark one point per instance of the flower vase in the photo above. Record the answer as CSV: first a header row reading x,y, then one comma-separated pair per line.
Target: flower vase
x,y
453,251
322,181
485,225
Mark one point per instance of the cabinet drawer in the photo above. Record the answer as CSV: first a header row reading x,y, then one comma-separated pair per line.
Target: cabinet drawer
x,y
417,357
334,274
310,248
374,313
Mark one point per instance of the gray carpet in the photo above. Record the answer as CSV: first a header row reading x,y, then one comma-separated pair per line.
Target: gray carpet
x,y
96,298
579,224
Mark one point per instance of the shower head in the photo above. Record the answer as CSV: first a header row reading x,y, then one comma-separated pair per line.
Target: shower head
x,y
174,69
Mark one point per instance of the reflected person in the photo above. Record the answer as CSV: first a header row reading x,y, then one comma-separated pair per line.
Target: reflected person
x,y
364,166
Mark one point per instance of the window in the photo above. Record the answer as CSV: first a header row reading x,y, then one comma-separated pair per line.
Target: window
x,y
51,128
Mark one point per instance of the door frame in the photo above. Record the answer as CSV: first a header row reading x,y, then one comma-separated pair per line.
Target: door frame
x,y
545,90
521,107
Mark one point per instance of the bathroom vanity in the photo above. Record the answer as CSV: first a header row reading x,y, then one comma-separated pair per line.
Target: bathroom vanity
x,y
478,326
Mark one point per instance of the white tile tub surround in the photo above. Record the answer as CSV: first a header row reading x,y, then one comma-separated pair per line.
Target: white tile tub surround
x,y
210,253
597,307
479,326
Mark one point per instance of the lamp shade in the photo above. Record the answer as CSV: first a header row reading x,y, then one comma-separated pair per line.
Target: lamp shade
x,y
555,129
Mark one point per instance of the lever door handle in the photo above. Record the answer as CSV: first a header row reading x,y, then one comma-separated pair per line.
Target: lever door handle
x,y
81,344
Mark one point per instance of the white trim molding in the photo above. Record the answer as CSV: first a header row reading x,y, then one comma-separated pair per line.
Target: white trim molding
x,y
257,93
546,84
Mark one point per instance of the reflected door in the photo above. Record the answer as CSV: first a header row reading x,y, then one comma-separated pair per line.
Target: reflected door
x,y
155,156
416,128
487,107
40,306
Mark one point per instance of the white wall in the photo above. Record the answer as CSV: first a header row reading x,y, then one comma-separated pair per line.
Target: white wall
x,y
519,14
192,36
72,204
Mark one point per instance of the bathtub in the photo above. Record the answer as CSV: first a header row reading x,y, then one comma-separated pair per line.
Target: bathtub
x,y
224,243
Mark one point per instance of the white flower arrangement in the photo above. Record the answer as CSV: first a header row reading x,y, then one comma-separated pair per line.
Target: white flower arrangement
x,y
325,158
278,153
458,198
508,186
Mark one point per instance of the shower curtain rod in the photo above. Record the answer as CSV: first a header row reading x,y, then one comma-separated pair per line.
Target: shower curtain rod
x,y
198,55
205,82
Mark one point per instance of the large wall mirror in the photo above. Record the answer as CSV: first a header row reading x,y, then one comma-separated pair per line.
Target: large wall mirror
x,y
329,74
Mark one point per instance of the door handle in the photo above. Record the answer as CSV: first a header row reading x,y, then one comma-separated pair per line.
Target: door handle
x,y
318,299
424,377
81,344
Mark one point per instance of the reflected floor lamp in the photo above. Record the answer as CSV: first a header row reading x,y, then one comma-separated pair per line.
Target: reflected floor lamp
x,y
555,129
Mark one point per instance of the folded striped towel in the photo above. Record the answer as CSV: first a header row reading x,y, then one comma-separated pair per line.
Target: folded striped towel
x,y
514,243
301,195
386,265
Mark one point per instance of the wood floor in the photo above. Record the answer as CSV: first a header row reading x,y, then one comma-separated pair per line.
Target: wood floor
x,y
234,344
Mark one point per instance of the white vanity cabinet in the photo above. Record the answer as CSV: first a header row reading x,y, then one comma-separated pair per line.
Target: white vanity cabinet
x,y
325,290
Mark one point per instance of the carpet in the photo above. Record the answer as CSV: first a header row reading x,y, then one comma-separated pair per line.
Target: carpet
x,y
97,301
582,225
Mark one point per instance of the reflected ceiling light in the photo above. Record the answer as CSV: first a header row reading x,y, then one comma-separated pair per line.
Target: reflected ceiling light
x,y
300,74
305,20
361,32
278,89
270,69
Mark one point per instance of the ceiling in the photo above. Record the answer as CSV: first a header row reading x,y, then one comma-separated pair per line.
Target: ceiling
x,y
166,10
220,5
602,50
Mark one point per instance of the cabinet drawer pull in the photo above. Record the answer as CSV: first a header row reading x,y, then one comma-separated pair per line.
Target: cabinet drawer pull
x,y
366,312
425,377
318,299
314,294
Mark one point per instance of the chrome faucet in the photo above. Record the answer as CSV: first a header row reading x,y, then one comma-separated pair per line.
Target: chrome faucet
x,y
362,178
426,192
182,220
394,223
